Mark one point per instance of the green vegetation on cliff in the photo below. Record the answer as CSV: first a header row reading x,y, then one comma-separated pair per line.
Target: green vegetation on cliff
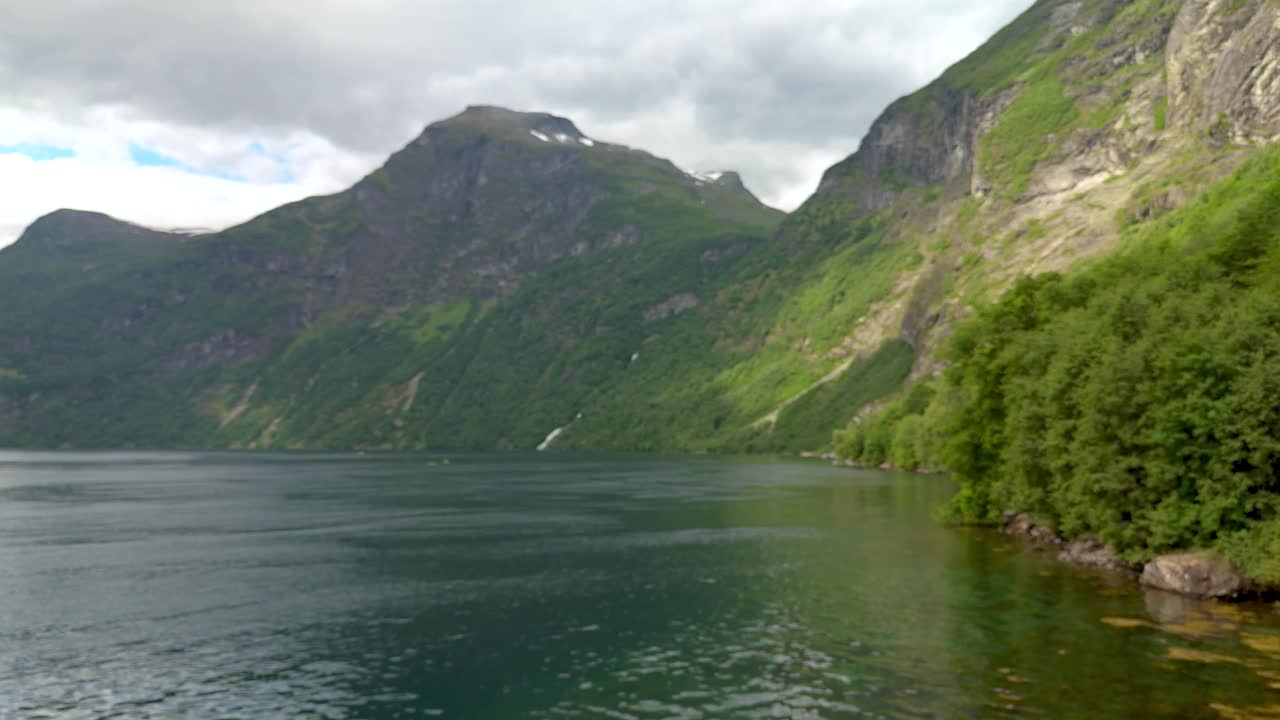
x,y
1136,399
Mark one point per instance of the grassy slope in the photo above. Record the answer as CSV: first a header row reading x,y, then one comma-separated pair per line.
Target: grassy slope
x,y
775,326
845,268
494,373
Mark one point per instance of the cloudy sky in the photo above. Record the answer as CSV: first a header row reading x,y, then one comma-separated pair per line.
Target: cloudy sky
x,y
202,114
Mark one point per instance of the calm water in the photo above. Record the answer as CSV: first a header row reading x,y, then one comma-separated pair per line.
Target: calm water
x,y
252,586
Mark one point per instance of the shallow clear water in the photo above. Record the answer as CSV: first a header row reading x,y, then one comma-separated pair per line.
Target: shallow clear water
x,y
510,586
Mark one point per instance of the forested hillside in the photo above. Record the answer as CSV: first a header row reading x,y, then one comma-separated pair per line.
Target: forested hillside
x,y
1136,399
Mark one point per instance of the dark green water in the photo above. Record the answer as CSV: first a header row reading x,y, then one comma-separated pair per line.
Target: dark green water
x,y
258,586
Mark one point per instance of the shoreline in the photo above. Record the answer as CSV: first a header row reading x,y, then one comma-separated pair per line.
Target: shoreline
x,y
1200,575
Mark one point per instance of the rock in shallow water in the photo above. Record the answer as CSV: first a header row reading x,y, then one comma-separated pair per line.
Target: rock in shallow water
x,y
1202,575
1088,552
1084,551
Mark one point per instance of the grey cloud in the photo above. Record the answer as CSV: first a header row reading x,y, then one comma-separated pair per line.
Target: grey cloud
x,y
365,76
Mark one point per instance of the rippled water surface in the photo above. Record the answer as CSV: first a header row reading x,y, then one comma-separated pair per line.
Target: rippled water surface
x,y
509,586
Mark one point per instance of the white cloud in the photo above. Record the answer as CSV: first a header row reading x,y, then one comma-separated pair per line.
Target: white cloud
x,y
103,176
777,90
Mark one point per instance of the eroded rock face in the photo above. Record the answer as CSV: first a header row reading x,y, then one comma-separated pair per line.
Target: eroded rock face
x,y
1202,575
1223,65
937,147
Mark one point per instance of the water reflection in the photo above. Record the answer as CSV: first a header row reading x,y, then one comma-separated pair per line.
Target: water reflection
x,y
534,587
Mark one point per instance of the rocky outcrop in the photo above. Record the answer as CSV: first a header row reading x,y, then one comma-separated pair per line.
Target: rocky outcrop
x,y
672,306
1223,68
1085,551
1202,575
481,202
931,138
220,349
931,145
1188,575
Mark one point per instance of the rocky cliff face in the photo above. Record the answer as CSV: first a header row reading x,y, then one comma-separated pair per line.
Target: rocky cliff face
x,y
475,204
1073,123
926,140
1223,68
470,208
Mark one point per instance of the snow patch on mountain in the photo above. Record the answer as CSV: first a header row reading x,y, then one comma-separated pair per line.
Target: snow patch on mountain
x,y
701,178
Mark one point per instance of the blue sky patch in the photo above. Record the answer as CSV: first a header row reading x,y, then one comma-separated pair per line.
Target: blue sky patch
x,y
37,152
143,156
147,157
286,173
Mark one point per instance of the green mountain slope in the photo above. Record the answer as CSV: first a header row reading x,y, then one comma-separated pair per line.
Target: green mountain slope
x,y
1135,399
469,293
504,277
1129,398
1075,122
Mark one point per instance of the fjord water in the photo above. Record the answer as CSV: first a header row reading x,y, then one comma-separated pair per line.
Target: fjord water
x,y
519,586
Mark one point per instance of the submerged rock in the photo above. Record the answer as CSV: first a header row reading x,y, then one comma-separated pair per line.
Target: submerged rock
x,y
1202,575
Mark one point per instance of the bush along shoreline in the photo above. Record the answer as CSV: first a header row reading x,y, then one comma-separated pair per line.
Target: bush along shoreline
x,y
1132,403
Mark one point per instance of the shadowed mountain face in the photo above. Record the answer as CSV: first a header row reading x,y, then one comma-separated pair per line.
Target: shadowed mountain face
x,y
496,239
505,275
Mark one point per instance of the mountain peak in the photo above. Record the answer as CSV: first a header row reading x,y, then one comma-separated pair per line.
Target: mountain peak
x,y
71,215
67,227
533,126
72,223
723,178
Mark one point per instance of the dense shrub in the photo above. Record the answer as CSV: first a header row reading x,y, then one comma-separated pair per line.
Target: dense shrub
x,y
1136,399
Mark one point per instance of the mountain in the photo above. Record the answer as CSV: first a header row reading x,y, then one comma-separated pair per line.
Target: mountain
x,y
505,277
1109,300
470,292
1067,132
